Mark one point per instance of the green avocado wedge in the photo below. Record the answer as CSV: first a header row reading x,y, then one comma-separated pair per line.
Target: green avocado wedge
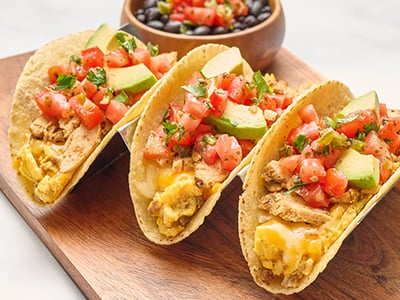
x,y
241,121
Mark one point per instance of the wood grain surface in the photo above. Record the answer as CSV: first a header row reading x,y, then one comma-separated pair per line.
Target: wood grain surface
x,y
94,235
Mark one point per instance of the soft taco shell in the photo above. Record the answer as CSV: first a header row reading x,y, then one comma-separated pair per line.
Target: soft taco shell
x,y
142,175
327,97
24,109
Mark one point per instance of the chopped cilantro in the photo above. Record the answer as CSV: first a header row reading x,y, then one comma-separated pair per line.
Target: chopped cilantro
x,y
301,141
75,59
198,90
153,49
128,44
97,76
169,129
64,82
261,85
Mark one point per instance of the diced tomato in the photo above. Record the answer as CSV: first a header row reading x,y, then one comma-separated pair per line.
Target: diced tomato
x,y
100,99
218,101
239,7
198,3
188,121
229,151
308,114
174,109
267,103
160,65
314,195
312,170
210,155
237,91
310,130
247,146
90,114
375,145
389,131
289,163
378,148
53,104
383,110
117,59
115,111
329,160
141,55
92,57
155,146
199,15
336,183
176,17
77,70
362,118
89,88
195,106
54,71
223,81
222,18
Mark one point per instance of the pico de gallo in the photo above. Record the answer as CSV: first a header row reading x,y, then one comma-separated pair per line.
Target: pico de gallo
x,y
80,88
313,149
185,128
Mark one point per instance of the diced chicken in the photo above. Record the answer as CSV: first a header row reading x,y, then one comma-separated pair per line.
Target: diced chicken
x,y
208,175
292,208
180,165
79,145
275,178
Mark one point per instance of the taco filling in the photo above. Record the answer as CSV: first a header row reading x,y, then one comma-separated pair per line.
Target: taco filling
x,y
84,98
328,169
204,136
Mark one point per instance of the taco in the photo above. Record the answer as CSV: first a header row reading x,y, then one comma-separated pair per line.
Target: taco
x,y
72,96
195,134
313,179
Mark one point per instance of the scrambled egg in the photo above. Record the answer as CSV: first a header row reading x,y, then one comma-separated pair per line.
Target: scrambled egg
x,y
290,250
174,206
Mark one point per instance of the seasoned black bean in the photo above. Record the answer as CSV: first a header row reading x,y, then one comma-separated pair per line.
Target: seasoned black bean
x,y
202,30
152,14
156,24
173,26
259,11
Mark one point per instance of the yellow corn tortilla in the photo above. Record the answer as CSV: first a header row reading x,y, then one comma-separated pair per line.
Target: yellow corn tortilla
x,y
142,176
24,109
327,97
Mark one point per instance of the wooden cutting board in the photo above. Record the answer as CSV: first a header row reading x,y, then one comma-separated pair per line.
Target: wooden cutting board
x,y
94,235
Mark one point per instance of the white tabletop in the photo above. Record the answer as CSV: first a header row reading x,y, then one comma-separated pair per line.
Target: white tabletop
x,y
357,43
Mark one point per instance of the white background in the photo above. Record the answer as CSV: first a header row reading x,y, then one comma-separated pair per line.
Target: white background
x,y
357,42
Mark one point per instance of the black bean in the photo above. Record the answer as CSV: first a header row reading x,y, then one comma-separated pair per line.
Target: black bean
x,y
220,30
266,9
250,20
156,24
164,18
173,26
238,26
202,30
263,16
256,8
140,11
149,3
141,18
152,13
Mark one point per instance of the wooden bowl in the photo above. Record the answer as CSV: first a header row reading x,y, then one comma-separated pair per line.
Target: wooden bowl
x,y
258,44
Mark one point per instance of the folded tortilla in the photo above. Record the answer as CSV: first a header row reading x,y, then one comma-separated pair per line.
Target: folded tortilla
x,y
24,111
144,174
328,98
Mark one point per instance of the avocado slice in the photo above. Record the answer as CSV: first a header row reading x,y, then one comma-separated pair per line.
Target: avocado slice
x,y
241,121
228,61
367,101
101,37
132,79
361,170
